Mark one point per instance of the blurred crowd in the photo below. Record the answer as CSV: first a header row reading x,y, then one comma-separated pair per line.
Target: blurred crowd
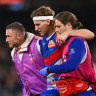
x,y
9,81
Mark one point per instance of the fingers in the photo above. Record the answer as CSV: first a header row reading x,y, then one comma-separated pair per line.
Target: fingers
x,y
60,42
61,38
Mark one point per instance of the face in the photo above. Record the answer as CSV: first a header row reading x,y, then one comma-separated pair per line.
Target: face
x,y
41,27
60,28
12,38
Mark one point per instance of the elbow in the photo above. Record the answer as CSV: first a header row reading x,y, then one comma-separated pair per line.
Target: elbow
x,y
93,35
90,35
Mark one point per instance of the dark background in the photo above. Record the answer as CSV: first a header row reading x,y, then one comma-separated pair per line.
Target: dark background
x,y
85,10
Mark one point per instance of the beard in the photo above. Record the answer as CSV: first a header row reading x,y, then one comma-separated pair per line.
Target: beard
x,y
13,44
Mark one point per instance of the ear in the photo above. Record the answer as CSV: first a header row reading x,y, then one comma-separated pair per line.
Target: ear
x,y
48,21
19,36
68,25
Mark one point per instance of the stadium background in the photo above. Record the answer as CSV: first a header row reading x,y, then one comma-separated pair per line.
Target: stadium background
x,y
20,10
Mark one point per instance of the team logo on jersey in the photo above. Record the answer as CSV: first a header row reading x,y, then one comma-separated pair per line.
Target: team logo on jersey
x,y
72,51
31,56
51,44
64,58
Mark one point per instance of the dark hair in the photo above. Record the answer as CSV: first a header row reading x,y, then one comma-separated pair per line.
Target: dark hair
x,y
44,11
66,17
16,26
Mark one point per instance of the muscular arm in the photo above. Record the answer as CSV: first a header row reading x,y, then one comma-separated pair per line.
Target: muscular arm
x,y
85,33
75,57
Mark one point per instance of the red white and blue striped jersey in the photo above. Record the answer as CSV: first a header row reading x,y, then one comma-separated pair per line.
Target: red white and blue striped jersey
x,y
52,52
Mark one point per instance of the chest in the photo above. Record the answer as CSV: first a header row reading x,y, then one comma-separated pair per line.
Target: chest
x,y
49,46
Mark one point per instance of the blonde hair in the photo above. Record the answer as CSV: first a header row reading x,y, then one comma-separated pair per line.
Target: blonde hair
x,y
44,11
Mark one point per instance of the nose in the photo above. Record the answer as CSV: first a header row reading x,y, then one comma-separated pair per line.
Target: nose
x,y
36,28
7,40
56,29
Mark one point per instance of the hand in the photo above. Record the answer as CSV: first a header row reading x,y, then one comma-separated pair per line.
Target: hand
x,y
44,71
62,37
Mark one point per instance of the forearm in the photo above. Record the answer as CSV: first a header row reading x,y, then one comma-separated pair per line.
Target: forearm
x,y
75,57
86,34
66,67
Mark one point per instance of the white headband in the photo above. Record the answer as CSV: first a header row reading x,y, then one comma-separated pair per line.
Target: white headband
x,y
42,18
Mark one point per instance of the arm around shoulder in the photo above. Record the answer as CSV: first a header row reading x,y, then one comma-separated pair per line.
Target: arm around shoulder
x,y
85,33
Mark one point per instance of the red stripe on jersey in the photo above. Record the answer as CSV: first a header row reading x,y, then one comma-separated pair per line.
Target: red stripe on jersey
x,y
53,57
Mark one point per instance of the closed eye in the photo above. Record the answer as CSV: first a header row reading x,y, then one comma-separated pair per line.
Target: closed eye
x,y
37,24
57,26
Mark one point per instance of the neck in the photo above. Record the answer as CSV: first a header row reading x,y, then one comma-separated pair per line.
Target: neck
x,y
22,41
50,32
